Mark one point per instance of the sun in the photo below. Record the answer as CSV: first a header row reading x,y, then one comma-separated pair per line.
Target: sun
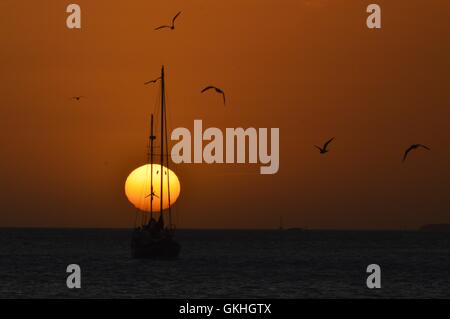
x,y
137,187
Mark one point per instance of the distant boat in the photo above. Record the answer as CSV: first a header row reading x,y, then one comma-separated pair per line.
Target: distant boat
x,y
436,228
281,227
295,229
154,238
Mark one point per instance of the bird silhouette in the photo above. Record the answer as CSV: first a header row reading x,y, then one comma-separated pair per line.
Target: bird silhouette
x,y
77,98
171,27
152,81
220,91
152,195
324,149
413,147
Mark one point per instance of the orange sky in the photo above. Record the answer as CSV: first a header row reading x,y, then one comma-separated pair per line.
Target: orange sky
x,y
311,68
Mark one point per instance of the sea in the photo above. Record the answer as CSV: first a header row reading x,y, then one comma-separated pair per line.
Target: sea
x,y
226,264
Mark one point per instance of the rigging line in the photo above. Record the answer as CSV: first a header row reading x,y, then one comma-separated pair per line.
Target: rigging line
x,y
170,121
163,101
156,108
167,155
151,165
157,105
149,159
168,170
144,214
142,189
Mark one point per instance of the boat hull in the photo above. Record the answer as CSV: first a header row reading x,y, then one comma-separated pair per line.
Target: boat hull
x,y
146,246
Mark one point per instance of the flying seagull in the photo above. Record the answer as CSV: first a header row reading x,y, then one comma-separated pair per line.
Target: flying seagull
x,y
77,98
324,149
171,27
152,194
152,81
217,90
413,147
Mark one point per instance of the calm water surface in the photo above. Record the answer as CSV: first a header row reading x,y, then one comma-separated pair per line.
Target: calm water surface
x,y
228,264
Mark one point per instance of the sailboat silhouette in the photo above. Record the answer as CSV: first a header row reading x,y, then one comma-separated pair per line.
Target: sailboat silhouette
x,y
155,238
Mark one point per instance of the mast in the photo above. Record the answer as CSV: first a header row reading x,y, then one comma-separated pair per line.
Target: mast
x,y
152,138
163,102
168,177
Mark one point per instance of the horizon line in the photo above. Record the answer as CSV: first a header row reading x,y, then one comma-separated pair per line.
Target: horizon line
x,y
213,228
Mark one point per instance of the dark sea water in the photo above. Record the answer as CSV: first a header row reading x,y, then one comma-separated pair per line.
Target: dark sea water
x,y
227,264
